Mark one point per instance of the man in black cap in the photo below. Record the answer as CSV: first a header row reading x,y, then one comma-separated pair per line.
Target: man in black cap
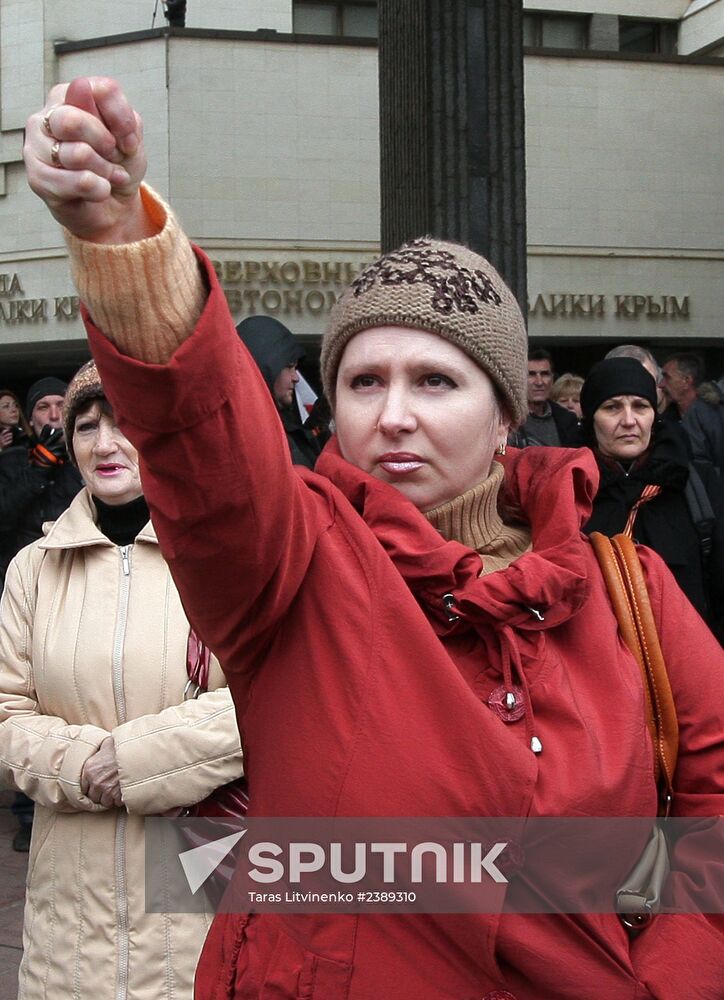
x,y
37,483
277,355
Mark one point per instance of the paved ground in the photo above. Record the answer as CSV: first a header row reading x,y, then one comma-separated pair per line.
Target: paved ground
x,y
12,895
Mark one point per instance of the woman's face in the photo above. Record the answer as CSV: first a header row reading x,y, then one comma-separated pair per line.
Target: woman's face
x,y
571,402
415,411
9,412
107,460
623,427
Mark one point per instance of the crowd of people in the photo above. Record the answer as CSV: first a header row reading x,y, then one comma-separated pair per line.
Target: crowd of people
x,y
656,434
410,619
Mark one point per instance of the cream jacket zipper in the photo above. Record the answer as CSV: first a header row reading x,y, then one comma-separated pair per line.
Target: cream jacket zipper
x,y
120,846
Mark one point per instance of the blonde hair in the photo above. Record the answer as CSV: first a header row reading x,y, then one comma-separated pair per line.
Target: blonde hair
x,y
567,385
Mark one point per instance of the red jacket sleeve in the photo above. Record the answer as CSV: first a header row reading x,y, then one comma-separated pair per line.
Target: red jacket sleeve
x,y
236,523
670,955
695,665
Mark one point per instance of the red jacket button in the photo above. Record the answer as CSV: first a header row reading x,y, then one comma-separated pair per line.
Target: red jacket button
x,y
508,705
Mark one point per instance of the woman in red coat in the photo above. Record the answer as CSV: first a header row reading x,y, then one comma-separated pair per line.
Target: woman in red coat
x,y
415,629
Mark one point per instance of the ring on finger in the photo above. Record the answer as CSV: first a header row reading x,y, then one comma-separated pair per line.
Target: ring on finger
x,y
55,155
46,120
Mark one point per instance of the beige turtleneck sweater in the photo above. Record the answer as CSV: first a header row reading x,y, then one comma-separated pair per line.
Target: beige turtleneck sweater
x,y
473,519
147,298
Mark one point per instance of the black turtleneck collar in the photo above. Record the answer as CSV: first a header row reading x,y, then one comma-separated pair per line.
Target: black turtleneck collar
x,y
121,523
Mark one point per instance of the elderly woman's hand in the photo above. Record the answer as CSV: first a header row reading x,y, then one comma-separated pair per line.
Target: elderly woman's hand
x,y
99,779
84,157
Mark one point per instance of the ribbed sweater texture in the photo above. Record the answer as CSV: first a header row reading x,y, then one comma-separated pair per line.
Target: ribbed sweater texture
x,y
146,296
474,519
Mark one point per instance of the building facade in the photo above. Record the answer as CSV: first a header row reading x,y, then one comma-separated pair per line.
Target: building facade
x,y
261,126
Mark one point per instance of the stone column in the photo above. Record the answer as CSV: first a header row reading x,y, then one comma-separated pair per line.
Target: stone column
x,y
452,127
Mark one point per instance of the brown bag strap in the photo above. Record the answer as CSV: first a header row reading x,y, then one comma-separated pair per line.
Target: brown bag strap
x,y
629,595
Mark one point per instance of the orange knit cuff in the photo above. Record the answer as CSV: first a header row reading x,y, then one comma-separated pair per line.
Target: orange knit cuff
x,y
146,296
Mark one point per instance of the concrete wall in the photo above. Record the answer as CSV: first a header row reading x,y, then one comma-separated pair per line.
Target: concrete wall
x,y
623,153
21,58
70,19
702,30
28,29
44,314
628,8
624,168
274,169
269,153
274,141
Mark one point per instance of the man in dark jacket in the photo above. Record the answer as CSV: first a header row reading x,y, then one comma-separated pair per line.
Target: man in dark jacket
x,y
547,422
681,376
37,483
704,423
277,355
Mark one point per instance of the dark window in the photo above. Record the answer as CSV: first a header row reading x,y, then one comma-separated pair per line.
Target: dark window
x,y
646,36
555,31
336,17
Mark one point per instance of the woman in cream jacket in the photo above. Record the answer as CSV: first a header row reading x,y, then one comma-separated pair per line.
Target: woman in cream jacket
x,y
96,730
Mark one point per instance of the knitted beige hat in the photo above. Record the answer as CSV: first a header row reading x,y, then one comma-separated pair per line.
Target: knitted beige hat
x,y
85,385
447,289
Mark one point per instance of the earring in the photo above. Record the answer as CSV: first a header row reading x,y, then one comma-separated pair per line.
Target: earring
x,y
500,450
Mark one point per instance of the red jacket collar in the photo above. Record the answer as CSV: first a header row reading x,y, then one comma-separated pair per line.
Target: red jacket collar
x,y
553,488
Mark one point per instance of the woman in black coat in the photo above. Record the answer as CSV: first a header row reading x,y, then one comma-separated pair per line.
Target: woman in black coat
x,y
645,467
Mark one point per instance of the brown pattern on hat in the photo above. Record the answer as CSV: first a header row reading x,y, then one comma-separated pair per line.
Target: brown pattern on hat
x,y
453,286
442,288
